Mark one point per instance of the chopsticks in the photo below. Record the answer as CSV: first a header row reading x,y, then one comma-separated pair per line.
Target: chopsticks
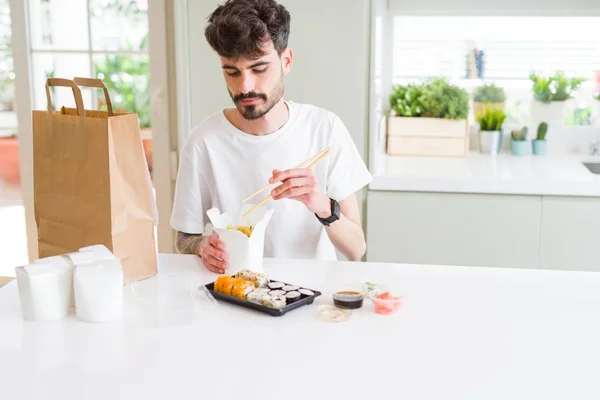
x,y
312,160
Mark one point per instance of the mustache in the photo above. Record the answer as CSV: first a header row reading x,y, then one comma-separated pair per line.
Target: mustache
x,y
249,95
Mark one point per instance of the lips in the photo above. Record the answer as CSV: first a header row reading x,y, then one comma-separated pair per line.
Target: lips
x,y
250,100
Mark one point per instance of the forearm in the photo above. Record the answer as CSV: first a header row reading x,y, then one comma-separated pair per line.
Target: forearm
x,y
187,243
348,237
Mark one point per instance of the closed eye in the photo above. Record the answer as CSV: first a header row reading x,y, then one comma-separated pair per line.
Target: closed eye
x,y
259,71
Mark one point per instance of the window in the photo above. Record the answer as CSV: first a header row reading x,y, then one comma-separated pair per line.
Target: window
x,y
474,49
8,118
107,39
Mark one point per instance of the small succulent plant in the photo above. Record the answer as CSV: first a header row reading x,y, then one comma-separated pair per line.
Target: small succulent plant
x,y
542,130
519,135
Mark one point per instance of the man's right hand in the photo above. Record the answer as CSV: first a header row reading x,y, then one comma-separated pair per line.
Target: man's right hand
x,y
212,253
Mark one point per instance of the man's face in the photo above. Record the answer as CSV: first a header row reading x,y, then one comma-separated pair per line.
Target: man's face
x,y
255,86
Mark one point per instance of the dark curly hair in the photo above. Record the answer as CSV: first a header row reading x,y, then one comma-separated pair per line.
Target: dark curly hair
x,y
241,28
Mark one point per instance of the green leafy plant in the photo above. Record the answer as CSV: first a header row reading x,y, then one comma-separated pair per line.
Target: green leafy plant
x,y
127,78
127,81
489,93
519,135
554,88
597,97
434,98
408,100
542,131
444,100
491,119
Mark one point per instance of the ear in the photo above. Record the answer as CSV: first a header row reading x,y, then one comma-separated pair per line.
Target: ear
x,y
286,60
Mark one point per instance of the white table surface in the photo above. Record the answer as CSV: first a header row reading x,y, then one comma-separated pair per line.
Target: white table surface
x,y
463,333
559,175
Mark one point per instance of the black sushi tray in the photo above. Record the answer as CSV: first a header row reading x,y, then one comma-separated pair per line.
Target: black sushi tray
x,y
276,312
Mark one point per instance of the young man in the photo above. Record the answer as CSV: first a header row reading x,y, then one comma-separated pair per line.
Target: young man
x,y
236,151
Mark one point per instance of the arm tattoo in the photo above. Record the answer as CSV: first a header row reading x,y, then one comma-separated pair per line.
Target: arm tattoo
x,y
187,243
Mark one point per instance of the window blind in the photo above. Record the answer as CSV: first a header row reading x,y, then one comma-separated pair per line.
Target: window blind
x,y
511,46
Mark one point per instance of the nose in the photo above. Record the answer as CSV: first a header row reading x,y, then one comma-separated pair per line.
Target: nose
x,y
246,84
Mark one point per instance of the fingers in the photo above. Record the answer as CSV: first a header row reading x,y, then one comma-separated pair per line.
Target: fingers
x,y
214,264
293,184
216,252
280,176
213,256
215,241
294,192
214,269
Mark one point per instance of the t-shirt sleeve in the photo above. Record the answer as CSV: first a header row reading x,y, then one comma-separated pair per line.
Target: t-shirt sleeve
x,y
192,196
347,170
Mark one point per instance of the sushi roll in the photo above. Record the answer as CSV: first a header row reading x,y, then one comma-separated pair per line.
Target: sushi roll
x,y
228,286
278,302
255,297
221,282
290,288
306,292
241,288
245,274
292,296
265,300
277,293
274,301
259,280
276,285
262,290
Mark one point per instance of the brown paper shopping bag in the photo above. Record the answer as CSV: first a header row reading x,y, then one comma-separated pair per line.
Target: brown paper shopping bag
x,y
91,182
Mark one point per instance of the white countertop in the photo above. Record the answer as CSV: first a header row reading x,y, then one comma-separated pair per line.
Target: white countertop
x,y
480,173
463,333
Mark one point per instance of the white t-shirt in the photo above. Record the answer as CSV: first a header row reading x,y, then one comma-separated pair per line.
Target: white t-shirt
x,y
220,166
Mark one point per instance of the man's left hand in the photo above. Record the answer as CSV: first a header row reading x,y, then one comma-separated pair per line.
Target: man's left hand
x,y
300,184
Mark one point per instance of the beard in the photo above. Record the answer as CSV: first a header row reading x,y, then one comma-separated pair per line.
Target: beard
x,y
256,111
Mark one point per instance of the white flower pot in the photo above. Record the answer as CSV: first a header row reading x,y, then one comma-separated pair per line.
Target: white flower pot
x,y
553,113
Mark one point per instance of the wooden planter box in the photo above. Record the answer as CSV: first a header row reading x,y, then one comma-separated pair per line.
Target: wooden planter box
x,y
427,137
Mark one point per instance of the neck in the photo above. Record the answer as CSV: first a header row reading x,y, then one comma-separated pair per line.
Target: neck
x,y
265,125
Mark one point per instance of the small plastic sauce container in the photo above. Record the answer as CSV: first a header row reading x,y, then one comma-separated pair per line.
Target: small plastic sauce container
x,y
348,299
386,304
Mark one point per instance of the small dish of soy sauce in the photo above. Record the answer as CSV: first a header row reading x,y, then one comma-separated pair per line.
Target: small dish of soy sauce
x,y
348,299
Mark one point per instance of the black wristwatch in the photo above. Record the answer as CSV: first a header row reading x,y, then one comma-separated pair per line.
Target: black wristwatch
x,y
335,214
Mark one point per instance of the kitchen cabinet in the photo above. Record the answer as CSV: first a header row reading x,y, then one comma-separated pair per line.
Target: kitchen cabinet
x,y
489,230
570,234
453,229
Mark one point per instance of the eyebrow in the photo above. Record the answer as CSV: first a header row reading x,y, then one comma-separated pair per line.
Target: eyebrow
x,y
256,64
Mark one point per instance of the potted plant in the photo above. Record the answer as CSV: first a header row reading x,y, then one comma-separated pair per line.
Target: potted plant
x,y
518,142
490,130
539,144
552,95
428,119
9,159
488,96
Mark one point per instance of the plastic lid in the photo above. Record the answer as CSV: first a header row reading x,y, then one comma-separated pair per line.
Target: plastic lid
x,y
348,295
333,314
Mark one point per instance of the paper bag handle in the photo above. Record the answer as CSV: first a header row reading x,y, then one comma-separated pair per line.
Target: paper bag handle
x,y
76,93
97,83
